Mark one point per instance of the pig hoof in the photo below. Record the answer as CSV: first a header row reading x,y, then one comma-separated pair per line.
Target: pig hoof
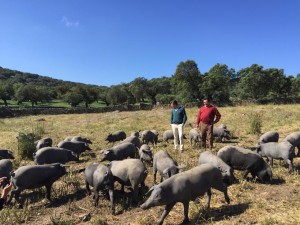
x,y
186,221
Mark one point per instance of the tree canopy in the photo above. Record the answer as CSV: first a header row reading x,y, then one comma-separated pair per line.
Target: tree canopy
x,y
187,85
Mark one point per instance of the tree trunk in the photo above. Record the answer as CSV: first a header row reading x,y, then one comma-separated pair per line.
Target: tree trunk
x,y
5,102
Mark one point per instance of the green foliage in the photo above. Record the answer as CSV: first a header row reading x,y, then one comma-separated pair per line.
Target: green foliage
x,y
255,124
6,91
186,80
117,94
158,86
138,88
32,93
73,98
26,146
216,83
253,83
165,99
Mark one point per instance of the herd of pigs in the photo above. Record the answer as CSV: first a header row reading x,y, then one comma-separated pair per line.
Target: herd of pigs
x,y
127,166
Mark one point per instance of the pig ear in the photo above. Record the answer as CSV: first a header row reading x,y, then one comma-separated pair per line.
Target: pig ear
x,y
166,171
150,190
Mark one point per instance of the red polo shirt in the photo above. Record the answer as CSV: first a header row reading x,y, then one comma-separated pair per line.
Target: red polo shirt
x,y
207,115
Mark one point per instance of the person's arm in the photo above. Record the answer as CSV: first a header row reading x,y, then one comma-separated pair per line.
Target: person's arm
x,y
218,116
4,194
184,116
198,119
171,116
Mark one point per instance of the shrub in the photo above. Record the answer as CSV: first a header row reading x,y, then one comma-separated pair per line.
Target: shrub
x,y
26,146
255,124
39,130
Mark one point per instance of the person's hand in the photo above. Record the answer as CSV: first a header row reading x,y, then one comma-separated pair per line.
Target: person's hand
x,y
6,190
2,180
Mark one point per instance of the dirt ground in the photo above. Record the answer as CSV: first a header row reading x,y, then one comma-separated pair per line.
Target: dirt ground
x,y
251,203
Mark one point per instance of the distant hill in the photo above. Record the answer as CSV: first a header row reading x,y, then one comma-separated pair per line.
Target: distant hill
x,y
26,78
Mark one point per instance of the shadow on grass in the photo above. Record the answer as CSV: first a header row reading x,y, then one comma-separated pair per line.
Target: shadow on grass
x,y
274,181
125,199
277,181
229,142
38,196
78,195
218,214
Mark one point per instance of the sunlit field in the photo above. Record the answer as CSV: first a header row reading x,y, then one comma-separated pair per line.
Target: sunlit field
x,y
252,202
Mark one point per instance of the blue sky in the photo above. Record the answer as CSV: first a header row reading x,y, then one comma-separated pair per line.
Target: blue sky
x,y
108,42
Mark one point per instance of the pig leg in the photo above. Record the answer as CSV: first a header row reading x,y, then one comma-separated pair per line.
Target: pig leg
x,y
291,167
12,194
111,197
186,212
48,188
15,193
161,178
223,188
165,213
154,174
87,187
271,161
208,198
135,193
246,174
96,196
17,196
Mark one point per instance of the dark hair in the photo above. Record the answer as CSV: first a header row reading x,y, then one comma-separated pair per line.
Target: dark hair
x,y
208,98
174,102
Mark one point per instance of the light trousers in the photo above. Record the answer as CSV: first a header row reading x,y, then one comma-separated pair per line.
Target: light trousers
x,y
178,136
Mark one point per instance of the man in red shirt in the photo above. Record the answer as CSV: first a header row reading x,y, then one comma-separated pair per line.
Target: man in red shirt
x,y
208,115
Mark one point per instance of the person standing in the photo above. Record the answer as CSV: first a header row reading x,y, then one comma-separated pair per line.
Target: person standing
x,y
208,115
178,119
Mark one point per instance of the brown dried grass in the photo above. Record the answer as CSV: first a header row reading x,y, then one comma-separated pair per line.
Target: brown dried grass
x,y
251,202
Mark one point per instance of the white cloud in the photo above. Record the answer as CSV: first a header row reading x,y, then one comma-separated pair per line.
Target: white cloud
x,y
69,23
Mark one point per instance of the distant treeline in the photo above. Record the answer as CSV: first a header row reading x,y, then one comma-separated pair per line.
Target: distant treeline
x,y
224,85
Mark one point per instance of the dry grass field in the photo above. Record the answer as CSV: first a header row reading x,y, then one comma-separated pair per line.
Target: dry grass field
x,y
251,202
